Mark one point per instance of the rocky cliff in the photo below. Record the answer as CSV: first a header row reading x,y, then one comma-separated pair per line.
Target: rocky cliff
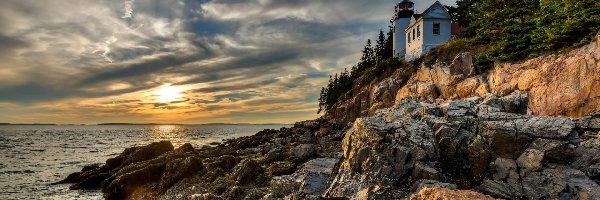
x,y
487,145
565,84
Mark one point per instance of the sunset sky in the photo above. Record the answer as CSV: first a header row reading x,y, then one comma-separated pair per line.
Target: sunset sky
x,y
178,61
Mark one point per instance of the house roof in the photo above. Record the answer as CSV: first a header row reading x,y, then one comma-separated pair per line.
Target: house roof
x,y
419,17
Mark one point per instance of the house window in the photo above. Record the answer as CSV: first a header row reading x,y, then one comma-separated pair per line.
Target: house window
x,y
419,31
408,37
436,28
414,34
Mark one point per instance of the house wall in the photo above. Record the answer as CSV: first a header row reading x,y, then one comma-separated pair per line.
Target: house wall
x,y
399,41
432,40
427,40
414,48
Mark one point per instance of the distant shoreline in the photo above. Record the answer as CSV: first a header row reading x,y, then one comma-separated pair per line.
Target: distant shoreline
x,y
133,124
4,124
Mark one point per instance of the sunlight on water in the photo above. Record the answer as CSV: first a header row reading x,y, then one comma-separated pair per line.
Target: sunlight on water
x,y
33,157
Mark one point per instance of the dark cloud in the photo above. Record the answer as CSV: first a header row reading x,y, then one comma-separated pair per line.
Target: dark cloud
x,y
259,52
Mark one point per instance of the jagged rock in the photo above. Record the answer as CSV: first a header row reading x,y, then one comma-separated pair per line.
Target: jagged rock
x,y
317,175
499,189
530,160
282,168
159,173
550,182
275,154
546,127
377,153
426,183
303,152
461,108
505,170
205,196
447,194
423,171
249,172
225,162
91,177
515,102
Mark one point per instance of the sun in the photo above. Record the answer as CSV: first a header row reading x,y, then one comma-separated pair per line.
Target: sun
x,y
168,94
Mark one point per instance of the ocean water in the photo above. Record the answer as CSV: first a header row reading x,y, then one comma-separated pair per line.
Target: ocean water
x,y
33,157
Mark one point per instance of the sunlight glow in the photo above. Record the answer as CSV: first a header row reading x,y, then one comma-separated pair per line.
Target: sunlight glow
x,y
168,94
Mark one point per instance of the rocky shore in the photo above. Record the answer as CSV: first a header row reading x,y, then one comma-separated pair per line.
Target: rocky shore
x,y
440,133
473,148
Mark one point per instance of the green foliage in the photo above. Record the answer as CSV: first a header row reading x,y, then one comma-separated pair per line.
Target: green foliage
x,y
511,30
566,23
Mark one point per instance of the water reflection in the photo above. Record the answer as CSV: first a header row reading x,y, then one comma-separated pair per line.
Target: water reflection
x,y
174,133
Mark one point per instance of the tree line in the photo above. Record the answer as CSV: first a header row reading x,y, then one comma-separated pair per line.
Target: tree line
x,y
512,30
341,84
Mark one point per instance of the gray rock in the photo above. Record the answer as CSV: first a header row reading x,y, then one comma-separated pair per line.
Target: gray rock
x,y
515,103
546,127
530,160
303,152
505,170
424,171
461,108
499,189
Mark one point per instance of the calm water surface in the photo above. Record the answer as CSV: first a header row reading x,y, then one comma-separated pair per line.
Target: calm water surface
x,y
32,157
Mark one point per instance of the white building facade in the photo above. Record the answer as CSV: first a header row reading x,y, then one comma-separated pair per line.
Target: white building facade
x,y
423,32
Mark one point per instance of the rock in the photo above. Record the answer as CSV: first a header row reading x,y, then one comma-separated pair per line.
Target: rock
x,y
530,160
425,183
317,175
447,194
275,154
159,173
91,177
499,189
249,172
225,162
303,152
546,127
205,196
377,152
177,170
423,171
502,138
515,103
550,182
307,137
461,108
505,170
149,152
282,168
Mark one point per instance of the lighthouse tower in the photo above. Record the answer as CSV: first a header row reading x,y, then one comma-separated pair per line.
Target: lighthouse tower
x,y
401,20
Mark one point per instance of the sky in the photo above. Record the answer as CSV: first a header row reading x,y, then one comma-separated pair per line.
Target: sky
x,y
178,61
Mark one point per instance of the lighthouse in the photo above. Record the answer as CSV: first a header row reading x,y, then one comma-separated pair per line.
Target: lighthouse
x,y
401,20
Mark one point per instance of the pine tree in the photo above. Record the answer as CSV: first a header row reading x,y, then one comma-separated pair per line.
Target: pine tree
x,y
380,47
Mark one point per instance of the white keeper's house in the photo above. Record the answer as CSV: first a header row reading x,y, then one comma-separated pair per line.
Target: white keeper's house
x,y
416,34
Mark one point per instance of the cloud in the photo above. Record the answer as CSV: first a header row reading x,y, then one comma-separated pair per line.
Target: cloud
x,y
128,13
100,59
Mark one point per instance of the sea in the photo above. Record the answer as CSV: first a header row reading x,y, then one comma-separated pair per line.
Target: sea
x,y
32,157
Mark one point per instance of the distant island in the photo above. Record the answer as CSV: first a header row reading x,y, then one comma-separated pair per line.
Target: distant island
x,y
35,124
105,124
141,124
